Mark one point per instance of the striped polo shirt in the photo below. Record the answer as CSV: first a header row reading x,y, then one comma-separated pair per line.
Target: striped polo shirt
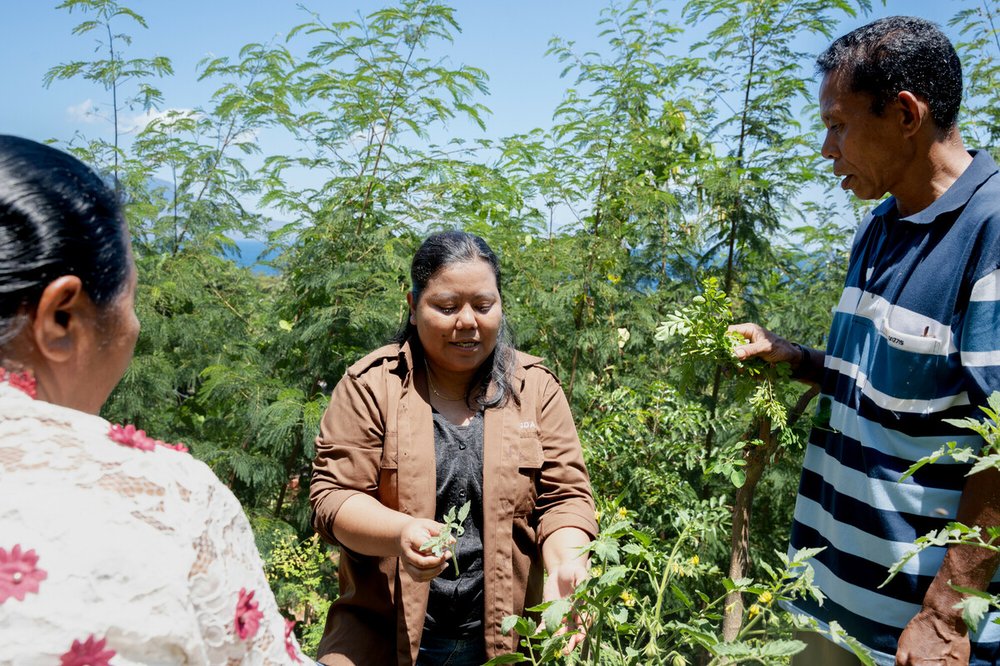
x,y
915,340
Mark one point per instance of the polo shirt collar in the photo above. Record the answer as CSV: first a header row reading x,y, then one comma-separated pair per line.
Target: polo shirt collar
x,y
978,172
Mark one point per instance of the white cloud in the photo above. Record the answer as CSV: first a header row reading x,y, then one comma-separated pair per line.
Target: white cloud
x,y
84,112
247,136
89,112
133,124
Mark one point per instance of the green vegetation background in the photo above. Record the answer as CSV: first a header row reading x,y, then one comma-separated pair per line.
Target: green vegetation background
x,y
696,197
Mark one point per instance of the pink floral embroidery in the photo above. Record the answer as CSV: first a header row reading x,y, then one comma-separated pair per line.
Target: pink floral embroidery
x,y
179,446
19,574
248,615
22,381
290,647
129,435
88,653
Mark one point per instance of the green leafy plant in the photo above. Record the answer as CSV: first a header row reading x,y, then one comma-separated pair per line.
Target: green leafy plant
x,y
446,538
644,606
976,603
700,332
661,165
301,573
113,72
984,457
979,49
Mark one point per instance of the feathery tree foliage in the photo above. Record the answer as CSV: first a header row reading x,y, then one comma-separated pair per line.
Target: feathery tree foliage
x,y
669,174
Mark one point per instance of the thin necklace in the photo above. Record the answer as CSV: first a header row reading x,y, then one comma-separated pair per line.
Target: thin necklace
x,y
430,384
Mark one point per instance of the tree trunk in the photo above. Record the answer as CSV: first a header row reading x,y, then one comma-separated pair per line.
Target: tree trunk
x,y
290,461
756,458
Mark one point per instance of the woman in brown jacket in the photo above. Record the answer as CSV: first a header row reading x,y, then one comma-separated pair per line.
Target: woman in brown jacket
x,y
449,414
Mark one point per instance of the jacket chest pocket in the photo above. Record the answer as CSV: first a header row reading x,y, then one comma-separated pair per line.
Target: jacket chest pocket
x,y
529,465
388,476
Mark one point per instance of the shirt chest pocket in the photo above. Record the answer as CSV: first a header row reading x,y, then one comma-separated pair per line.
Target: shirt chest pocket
x,y
530,458
897,337
909,365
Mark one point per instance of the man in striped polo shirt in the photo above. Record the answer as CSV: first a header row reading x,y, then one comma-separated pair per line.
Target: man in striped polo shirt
x,y
915,340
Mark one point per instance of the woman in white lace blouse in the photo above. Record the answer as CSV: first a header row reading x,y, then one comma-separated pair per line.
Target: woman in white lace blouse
x,y
115,548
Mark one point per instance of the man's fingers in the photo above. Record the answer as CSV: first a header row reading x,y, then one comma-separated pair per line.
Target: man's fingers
x,y
752,349
758,341
747,330
571,623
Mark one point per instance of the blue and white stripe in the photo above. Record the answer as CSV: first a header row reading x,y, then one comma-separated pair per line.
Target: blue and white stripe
x,y
915,340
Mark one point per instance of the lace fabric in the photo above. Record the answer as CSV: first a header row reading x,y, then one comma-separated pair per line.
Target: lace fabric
x,y
146,550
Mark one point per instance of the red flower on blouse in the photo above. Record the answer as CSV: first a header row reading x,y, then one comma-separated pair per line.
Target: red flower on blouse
x,y
179,446
129,435
23,381
290,648
88,653
248,615
19,573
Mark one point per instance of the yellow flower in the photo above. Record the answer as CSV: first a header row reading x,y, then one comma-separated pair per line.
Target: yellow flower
x,y
766,597
597,515
628,599
754,611
695,561
622,512
596,572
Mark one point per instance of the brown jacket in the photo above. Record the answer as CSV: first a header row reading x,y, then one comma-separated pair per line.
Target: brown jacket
x,y
377,437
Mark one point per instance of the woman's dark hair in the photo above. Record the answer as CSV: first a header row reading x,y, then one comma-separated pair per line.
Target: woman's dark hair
x,y
57,217
900,53
445,249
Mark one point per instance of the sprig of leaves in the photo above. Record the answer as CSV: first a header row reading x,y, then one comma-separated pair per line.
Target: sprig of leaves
x,y
986,457
974,606
452,527
976,603
701,327
700,331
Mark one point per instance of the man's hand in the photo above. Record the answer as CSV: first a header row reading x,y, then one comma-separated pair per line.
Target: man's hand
x,y
938,631
932,638
764,344
421,566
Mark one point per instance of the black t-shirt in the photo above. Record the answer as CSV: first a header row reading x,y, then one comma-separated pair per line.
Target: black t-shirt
x,y
455,606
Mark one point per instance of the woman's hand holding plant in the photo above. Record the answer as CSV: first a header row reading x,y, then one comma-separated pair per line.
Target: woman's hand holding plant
x,y
421,565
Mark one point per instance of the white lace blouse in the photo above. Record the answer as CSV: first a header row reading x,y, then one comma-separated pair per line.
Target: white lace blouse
x,y
116,550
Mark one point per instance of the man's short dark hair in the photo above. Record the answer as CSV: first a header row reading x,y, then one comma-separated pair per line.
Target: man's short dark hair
x,y
900,53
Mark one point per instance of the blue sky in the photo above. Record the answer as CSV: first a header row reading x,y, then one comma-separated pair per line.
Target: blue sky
x,y
507,39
